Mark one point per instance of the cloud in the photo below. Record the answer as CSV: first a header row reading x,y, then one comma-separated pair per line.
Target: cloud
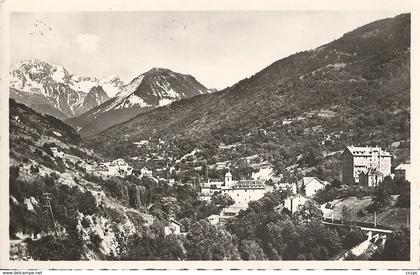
x,y
87,42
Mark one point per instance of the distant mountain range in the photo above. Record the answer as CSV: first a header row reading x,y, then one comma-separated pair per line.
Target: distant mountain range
x,y
154,88
92,105
51,89
354,90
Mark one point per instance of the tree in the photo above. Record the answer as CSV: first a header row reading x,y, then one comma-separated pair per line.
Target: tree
x,y
381,198
346,214
221,200
186,223
152,244
403,200
171,248
14,172
49,248
205,170
273,240
353,238
243,170
397,247
201,243
326,194
278,196
251,251
307,213
87,204
293,246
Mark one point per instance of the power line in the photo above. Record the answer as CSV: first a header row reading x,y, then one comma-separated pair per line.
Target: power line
x,y
48,211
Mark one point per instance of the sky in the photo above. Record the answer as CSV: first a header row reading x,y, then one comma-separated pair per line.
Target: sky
x,y
218,48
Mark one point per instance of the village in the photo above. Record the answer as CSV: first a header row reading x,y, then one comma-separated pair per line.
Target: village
x,y
361,166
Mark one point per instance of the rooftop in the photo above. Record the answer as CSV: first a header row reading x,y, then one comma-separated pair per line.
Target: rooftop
x,y
307,180
367,151
248,184
403,166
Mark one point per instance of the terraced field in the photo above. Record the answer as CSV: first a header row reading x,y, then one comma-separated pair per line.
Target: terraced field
x,y
392,216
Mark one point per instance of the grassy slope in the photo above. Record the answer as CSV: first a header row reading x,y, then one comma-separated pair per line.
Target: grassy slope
x,y
392,216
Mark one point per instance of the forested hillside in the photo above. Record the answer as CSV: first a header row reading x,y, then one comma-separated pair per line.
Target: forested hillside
x,y
354,90
96,218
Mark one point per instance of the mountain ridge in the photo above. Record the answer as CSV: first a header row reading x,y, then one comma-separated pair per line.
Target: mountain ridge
x,y
155,88
54,85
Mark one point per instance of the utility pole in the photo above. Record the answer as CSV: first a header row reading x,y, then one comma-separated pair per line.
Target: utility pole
x,y
206,170
408,220
375,218
48,211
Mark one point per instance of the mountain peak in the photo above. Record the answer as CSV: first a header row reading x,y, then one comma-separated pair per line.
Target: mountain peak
x,y
159,70
154,88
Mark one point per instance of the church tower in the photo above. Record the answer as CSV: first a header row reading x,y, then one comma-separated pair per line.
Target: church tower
x,y
228,179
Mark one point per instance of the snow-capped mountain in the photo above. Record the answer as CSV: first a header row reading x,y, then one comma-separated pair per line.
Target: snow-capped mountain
x,y
154,88
112,85
157,87
55,87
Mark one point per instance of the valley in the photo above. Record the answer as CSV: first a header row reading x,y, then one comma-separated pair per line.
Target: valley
x,y
161,167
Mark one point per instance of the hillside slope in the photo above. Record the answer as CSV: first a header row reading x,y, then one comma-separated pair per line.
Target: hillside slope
x,y
354,90
90,213
96,216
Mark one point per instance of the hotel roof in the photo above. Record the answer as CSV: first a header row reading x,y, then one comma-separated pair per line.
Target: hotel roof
x,y
248,184
367,151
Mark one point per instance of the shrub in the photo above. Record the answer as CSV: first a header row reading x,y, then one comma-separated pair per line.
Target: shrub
x,y
115,215
85,222
14,172
353,238
49,248
34,169
403,200
87,204
96,240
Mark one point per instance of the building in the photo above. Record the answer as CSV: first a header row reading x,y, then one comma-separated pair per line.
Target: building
x,y
148,219
311,185
117,167
370,177
242,192
356,160
403,171
210,187
56,153
174,227
214,219
112,169
293,202
146,172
